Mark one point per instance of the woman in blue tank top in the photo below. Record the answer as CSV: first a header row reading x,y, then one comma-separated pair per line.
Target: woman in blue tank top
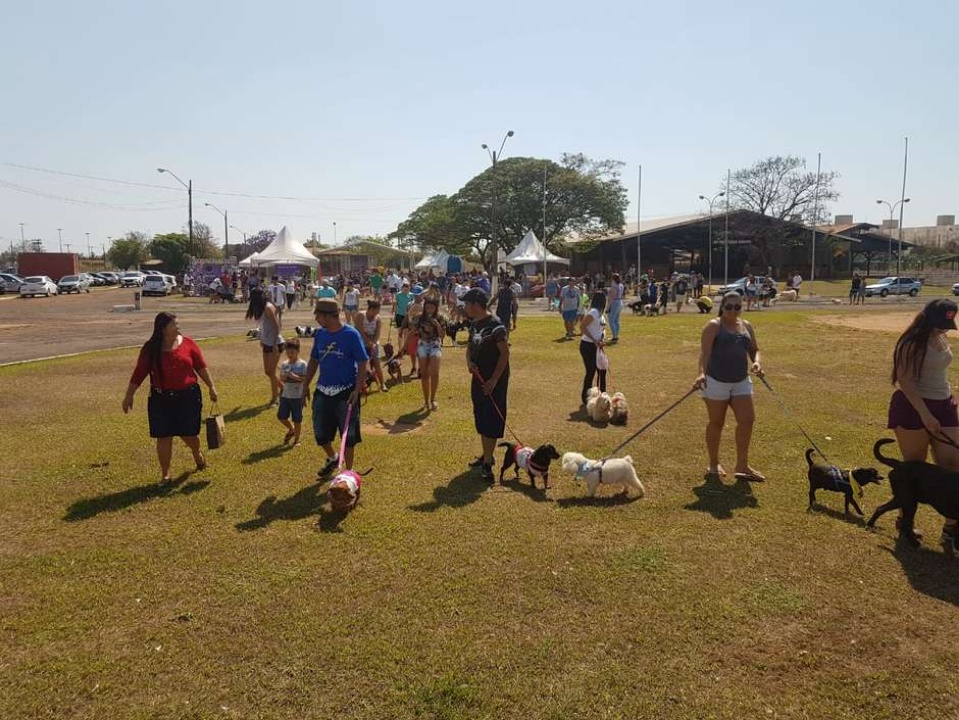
x,y
728,352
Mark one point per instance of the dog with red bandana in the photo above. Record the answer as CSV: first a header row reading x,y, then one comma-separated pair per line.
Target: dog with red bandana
x,y
534,462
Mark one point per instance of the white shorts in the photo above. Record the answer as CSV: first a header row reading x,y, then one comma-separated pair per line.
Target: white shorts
x,y
716,390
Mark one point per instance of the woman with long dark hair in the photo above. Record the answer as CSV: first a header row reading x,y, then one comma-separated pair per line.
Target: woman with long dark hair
x,y
271,341
923,408
173,362
615,293
593,330
428,327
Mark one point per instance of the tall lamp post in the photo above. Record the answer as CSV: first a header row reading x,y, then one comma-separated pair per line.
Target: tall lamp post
x,y
892,213
60,237
89,249
226,229
709,254
22,240
241,233
189,191
495,156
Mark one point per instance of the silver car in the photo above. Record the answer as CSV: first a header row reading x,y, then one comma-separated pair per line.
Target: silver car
x,y
73,283
894,286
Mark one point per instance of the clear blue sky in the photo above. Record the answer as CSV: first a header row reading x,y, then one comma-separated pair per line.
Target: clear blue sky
x,y
368,108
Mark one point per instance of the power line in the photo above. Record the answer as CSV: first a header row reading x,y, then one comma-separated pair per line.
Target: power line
x,y
212,192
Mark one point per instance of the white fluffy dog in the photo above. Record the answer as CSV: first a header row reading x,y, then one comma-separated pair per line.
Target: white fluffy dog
x,y
599,405
612,471
787,295
619,410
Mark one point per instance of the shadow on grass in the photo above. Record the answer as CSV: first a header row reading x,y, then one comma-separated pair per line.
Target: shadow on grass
x,y
404,423
86,508
464,489
608,501
536,494
720,500
268,454
304,503
930,572
580,415
851,518
236,414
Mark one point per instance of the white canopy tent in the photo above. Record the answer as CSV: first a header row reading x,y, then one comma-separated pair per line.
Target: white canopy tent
x,y
285,250
250,261
531,251
434,260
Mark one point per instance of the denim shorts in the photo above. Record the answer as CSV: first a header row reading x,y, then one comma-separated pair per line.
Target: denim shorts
x,y
569,315
290,408
717,390
426,349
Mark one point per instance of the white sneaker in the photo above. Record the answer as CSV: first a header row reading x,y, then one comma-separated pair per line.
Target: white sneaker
x,y
434,406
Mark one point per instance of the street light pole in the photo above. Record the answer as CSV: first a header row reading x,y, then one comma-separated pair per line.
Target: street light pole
x,y
495,156
60,236
89,249
189,192
226,229
241,233
22,240
892,213
709,255
334,233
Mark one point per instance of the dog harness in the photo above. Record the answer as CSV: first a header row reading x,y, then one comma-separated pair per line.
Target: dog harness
x,y
524,460
590,466
841,484
348,479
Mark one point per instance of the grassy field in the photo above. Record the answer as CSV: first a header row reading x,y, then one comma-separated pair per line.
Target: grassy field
x,y
236,593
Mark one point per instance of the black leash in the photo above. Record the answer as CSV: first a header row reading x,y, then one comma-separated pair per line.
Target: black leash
x,y
789,413
652,422
941,437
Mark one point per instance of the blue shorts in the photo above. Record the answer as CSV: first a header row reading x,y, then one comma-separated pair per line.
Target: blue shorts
x,y
291,408
429,349
569,315
329,417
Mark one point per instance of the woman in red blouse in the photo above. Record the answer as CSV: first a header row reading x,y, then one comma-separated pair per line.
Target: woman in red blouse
x,y
173,363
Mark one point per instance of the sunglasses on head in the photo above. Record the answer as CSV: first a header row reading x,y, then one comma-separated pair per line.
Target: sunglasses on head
x,y
733,307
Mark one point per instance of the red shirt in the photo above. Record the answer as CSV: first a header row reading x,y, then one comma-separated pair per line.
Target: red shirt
x,y
179,367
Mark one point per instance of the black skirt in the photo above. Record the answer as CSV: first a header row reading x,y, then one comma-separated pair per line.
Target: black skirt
x,y
175,413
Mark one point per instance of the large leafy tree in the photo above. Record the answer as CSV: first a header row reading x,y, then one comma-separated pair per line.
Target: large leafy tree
x,y
497,207
129,251
780,187
173,249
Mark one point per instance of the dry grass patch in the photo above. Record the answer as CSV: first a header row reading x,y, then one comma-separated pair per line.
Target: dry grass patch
x,y
235,592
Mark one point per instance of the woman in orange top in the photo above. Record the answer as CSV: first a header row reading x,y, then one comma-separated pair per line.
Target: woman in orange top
x,y
173,362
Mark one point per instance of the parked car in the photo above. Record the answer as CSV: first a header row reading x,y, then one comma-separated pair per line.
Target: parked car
x,y
739,286
97,280
132,278
111,278
955,289
10,282
38,285
156,284
73,283
894,286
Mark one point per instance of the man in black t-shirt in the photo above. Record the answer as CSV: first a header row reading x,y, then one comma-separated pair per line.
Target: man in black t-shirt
x,y
506,305
487,359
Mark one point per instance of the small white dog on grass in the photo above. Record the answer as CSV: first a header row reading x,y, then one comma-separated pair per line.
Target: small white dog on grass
x,y
599,405
611,471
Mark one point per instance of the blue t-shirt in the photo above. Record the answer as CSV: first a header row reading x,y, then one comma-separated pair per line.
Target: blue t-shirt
x,y
338,354
403,302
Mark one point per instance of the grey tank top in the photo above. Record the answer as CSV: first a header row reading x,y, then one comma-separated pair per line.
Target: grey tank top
x,y
728,361
269,332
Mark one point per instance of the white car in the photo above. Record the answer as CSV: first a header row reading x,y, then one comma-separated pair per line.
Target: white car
x,y
10,282
157,285
132,278
38,285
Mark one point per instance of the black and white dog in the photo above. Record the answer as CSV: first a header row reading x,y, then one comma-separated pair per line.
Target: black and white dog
x,y
848,482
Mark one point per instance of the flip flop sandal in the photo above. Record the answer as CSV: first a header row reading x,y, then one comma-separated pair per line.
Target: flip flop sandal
x,y
288,437
750,477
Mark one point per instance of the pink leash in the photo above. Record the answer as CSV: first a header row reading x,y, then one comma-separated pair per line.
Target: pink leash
x,y
343,435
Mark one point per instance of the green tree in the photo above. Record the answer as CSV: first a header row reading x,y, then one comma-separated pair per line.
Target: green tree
x,y
173,249
129,251
498,206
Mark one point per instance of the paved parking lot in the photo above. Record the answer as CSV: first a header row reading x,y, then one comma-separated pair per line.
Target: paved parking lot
x,y
34,328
